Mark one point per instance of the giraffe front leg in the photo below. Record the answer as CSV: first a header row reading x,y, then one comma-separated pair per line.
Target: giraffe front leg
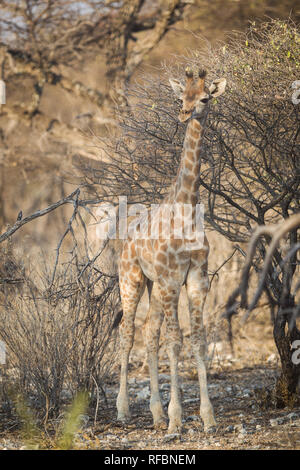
x,y
174,409
126,342
152,334
122,399
132,284
174,343
197,287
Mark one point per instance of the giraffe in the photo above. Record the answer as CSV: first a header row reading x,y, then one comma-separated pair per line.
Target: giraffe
x,y
164,265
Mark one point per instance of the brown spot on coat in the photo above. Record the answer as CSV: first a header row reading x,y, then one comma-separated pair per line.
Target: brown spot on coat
x,y
161,257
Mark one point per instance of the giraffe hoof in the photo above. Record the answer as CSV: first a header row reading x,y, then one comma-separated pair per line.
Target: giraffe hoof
x,y
210,429
160,424
123,418
175,429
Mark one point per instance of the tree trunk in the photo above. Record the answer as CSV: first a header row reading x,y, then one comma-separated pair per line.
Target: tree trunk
x,y
2,214
285,333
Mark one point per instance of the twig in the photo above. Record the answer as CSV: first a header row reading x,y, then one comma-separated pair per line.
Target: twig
x,y
97,403
220,267
19,223
11,281
68,229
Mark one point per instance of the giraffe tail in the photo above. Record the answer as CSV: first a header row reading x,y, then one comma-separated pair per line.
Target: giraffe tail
x,y
117,319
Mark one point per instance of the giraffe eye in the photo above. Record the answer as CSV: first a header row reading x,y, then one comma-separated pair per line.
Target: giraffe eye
x,y
204,100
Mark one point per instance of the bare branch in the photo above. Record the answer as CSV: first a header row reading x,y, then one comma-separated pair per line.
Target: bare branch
x,y
17,225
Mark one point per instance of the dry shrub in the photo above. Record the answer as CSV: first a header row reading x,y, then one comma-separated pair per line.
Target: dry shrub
x,y
59,334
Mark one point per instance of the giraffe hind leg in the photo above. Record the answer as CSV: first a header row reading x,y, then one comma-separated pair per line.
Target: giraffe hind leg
x,y
197,287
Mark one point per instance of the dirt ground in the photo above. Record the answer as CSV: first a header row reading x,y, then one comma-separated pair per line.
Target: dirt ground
x,y
237,386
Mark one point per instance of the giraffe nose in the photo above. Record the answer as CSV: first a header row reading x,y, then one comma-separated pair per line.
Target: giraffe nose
x,y
184,114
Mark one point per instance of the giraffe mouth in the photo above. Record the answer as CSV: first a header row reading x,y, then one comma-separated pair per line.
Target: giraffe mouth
x,y
184,115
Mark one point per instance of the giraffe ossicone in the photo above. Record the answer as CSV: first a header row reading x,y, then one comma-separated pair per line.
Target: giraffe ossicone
x,y
164,264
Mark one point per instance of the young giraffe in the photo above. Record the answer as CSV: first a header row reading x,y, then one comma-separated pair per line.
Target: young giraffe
x,y
165,265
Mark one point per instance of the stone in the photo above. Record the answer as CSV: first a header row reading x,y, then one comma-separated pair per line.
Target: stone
x,y
276,421
165,387
192,418
271,358
190,400
171,437
292,416
143,394
240,428
229,428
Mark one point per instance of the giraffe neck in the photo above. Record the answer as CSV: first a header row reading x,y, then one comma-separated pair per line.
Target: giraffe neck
x,y
186,185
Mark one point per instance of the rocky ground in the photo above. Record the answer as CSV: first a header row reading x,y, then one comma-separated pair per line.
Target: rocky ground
x,y
237,399
237,391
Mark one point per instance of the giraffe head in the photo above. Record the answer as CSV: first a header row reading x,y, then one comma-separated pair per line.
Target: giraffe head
x,y
195,95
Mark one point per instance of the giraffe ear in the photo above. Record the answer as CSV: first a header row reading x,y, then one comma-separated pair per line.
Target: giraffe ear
x,y
217,87
177,87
